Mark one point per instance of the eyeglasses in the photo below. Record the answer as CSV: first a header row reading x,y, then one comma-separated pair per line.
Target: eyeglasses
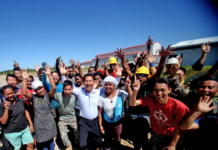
x,y
142,75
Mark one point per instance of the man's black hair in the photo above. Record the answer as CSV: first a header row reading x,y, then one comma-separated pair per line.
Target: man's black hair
x,y
11,75
163,80
88,75
31,77
41,69
6,87
207,79
70,67
183,69
78,74
67,83
16,69
99,74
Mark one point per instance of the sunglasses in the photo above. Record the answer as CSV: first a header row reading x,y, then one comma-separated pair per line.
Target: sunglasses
x,y
142,75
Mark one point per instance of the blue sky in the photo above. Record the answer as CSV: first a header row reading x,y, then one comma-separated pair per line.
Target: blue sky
x,y
33,31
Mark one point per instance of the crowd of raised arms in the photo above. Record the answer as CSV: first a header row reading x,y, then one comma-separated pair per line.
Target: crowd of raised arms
x,y
140,103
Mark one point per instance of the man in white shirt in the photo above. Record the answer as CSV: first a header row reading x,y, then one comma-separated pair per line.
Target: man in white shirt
x,y
88,101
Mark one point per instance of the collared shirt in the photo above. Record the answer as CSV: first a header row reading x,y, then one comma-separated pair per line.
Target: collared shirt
x,y
88,102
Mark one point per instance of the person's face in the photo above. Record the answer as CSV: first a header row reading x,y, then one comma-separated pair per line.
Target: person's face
x,y
161,91
89,82
98,78
180,74
29,82
68,90
55,77
40,91
123,80
113,66
208,88
91,70
12,81
172,68
40,74
109,87
142,78
18,74
79,81
9,94
71,72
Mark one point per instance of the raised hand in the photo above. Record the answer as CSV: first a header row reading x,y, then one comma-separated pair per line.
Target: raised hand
x,y
25,75
7,104
136,84
77,64
58,59
119,53
37,67
16,65
48,70
143,54
96,83
104,65
149,42
204,48
62,68
44,64
166,52
71,62
150,57
137,60
128,82
98,58
204,104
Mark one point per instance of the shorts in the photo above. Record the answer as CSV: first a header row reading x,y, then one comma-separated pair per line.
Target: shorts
x,y
18,138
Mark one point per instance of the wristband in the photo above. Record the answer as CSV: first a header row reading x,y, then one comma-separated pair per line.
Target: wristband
x,y
152,64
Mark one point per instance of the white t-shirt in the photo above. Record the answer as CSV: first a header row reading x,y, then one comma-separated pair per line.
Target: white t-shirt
x,y
109,104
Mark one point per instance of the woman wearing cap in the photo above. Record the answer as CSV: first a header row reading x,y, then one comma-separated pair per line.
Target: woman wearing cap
x,y
111,112
45,127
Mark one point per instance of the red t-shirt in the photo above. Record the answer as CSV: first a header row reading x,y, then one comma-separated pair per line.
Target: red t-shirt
x,y
111,73
29,103
164,117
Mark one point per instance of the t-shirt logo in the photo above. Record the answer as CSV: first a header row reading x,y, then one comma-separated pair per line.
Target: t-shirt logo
x,y
161,118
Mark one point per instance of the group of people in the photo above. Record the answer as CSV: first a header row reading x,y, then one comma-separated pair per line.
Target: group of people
x,y
136,102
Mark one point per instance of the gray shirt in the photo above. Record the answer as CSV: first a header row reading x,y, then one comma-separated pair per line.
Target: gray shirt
x,y
67,105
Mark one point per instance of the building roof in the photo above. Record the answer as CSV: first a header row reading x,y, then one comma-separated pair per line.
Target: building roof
x,y
86,62
195,42
125,48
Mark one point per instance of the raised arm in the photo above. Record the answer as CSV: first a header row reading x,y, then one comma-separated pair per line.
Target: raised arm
x,y
53,86
144,60
79,68
202,107
57,65
24,85
16,65
96,63
128,86
164,53
136,87
151,59
205,50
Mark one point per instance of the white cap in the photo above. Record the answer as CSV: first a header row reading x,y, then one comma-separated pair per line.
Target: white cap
x,y
172,61
36,84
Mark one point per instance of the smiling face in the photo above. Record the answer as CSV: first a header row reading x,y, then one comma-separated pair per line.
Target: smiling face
x,y
142,78
181,75
89,82
40,91
78,80
29,82
91,70
9,94
18,74
208,88
112,66
172,68
161,92
71,72
68,90
12,81
55,77
98,78
109,87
